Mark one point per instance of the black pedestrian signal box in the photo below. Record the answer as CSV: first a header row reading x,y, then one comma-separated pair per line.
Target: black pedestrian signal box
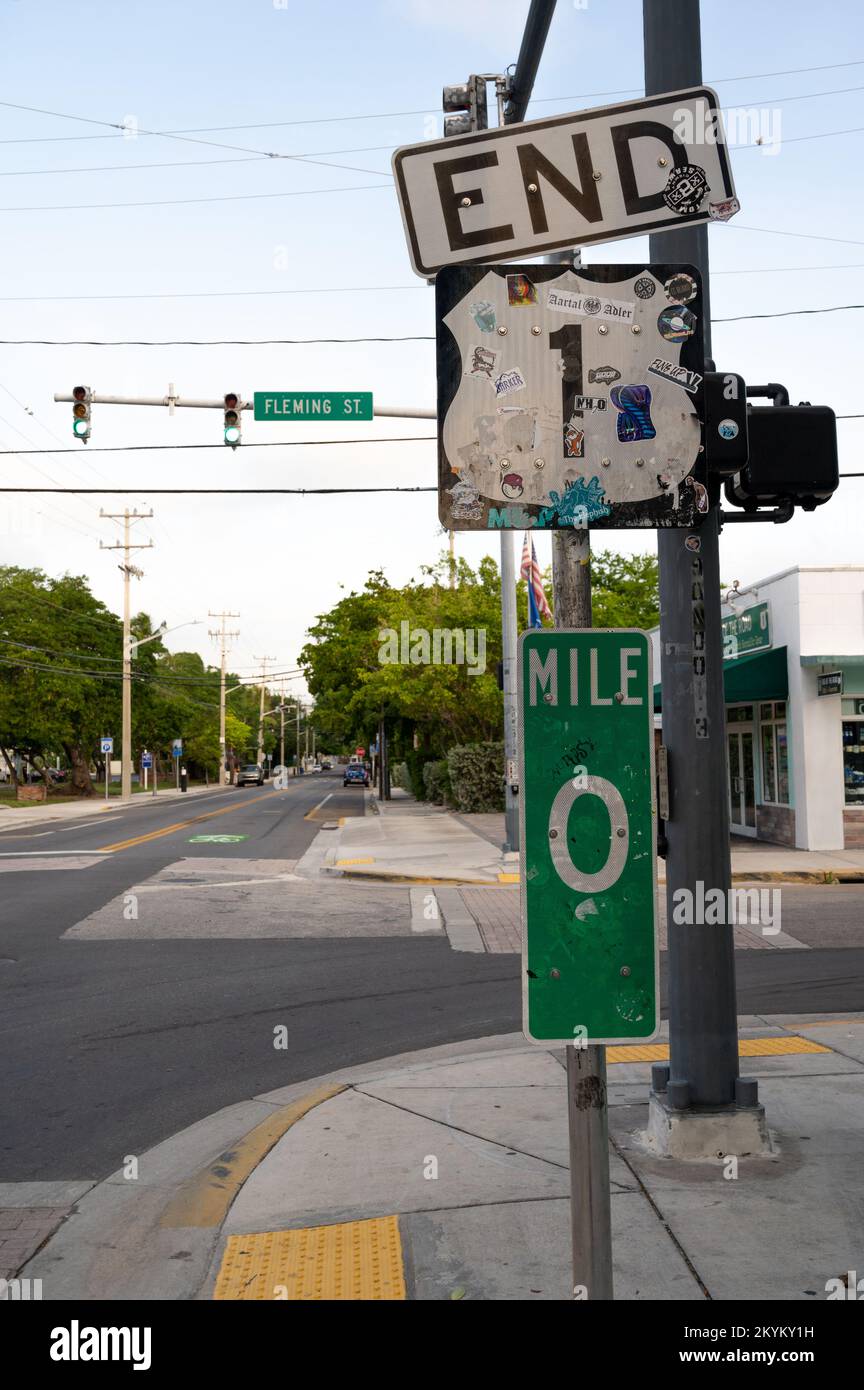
x,y
726,434
793,455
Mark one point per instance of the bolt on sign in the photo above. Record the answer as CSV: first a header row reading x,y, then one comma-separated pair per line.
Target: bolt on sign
x,y
588,844
570,397
598,175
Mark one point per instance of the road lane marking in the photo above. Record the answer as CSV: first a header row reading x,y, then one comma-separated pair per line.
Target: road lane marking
x,y
204,1200
310,815
182,824
41,853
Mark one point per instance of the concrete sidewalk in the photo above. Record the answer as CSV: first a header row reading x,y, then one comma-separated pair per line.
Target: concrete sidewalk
x,y
443,1174
22,814
411,841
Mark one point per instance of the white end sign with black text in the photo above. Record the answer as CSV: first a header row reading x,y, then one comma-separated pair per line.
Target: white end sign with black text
x,y
599,175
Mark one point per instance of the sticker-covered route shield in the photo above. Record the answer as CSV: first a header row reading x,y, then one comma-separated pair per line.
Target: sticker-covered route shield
x,y
570,397
588,843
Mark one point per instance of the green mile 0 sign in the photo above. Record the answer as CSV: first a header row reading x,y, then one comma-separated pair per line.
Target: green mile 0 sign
x,y
588,843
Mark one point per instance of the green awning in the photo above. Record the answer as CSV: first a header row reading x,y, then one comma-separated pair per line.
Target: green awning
x,y
755,676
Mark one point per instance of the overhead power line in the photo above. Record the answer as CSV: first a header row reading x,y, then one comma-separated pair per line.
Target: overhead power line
x,y
189,139
303,342
251,444
383,115
175,202
222,491
207,342
357,289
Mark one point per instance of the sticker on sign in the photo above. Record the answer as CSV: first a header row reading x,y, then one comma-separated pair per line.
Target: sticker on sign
x,y
588,843
598,175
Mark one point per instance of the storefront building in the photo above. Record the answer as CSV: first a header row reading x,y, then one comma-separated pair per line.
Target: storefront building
x,y
793,676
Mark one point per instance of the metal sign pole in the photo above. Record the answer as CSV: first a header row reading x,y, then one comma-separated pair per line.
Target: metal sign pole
x,y
587,1110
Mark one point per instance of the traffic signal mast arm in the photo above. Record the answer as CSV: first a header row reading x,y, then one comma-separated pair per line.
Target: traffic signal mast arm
x,y
231,405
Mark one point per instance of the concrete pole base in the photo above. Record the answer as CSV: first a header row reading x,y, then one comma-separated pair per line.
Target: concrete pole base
x,y
739,1130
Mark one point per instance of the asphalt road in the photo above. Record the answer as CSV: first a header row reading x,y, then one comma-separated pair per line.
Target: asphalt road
x,y
112,1045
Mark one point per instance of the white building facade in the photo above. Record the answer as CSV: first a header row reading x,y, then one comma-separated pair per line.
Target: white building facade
x,y
794,682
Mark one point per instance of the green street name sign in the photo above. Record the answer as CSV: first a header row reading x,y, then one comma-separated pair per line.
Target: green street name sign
x,y
313,405
588,843
745,632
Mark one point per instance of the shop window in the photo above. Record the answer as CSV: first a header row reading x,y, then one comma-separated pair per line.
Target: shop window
x,y
853,761
774,744
739,714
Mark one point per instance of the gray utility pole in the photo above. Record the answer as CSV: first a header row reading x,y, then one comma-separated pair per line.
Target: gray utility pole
x,y
282,727
222,636
264,660
128,569
513,99
297,754
703,1033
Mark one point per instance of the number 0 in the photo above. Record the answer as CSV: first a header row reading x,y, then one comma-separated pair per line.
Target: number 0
x,y
619,845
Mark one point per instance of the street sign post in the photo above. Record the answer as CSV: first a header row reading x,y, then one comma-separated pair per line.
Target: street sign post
x,y
598,175
177,748
106,747
570,397
332,406
588,845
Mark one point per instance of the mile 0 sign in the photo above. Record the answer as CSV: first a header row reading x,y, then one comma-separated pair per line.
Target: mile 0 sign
x,y
588,843
570,397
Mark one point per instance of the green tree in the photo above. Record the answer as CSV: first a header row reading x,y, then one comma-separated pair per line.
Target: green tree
x,y
351,671
60,667
625,590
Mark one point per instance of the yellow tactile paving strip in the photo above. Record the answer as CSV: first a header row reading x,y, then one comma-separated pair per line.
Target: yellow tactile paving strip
x,y
747,1047
353,1260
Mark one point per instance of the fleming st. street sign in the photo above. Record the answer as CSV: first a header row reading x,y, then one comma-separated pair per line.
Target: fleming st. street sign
x,y
614,171
588,843
331,406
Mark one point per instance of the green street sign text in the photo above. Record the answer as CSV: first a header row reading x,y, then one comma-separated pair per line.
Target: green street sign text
x,y
313,405
588,843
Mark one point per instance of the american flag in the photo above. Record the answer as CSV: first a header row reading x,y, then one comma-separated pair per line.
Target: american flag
x,y
538,608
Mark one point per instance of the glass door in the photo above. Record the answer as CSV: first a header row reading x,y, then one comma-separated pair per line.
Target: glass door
x,y
742,783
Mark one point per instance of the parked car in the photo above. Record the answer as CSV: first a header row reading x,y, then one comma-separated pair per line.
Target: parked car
x,y
355,775
250,772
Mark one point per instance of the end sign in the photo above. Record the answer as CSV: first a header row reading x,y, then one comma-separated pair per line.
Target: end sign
x,y
588,843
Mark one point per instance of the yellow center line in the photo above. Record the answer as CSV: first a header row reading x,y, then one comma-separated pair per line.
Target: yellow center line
x,y
182,824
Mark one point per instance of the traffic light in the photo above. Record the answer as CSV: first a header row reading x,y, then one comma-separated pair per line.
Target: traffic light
x,y
793,458
469,99
232,419
81,397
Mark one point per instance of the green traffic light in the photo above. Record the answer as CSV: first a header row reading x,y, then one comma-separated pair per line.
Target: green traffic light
x,y
232,434
81,428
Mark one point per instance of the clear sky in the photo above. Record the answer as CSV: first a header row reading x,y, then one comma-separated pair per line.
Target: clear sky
x,y
345,84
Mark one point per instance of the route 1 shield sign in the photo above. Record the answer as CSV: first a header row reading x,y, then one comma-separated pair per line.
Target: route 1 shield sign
x,y
588,844
570,397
